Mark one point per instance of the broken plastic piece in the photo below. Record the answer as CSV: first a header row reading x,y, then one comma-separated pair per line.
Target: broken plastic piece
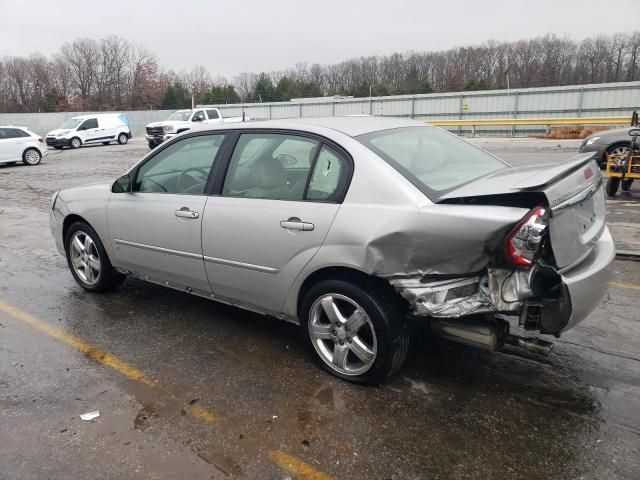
x,y
90,415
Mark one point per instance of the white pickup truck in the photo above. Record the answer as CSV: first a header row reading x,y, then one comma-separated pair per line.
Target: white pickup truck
x,y
183,120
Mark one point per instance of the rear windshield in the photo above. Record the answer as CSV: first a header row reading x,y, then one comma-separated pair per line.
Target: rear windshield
x,y
432,159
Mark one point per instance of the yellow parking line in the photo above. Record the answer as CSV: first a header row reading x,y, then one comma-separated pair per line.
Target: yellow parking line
x,y
90,351
629,286
284,460
297,467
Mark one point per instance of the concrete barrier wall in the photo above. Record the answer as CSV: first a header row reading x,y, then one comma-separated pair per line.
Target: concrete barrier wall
x,y
41,123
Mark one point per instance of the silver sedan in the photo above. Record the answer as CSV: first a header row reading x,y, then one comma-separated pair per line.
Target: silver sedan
x,y
348,227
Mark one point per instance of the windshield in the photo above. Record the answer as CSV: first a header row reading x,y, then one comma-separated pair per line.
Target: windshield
x,y
71,123
433,160
181,116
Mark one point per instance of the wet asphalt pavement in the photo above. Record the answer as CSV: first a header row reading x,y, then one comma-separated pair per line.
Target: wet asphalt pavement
x,y
229,394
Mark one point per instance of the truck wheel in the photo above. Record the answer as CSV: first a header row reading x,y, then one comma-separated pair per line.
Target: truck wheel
x,y
75,142
626,184
152,145
123,139
612,186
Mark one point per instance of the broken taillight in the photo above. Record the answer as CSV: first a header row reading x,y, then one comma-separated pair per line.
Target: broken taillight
x,y
523,243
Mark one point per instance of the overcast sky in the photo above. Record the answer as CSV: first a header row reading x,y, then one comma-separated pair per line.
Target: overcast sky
x,y
229,37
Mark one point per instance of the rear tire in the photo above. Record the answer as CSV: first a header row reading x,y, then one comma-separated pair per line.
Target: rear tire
x,y
88,260
612,186
123,139
31,157
75,143
626,184
365,342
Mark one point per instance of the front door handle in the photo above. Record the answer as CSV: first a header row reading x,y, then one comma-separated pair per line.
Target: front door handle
x,y
184,212
294,223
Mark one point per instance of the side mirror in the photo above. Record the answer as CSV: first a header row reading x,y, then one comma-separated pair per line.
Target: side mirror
x,y
634,132
122,185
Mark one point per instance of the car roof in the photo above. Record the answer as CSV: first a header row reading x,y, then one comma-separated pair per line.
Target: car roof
x,y
352,126
15,126
94,115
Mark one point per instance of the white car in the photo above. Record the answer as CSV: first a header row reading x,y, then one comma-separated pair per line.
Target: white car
x,y
85,129
183,120
20,144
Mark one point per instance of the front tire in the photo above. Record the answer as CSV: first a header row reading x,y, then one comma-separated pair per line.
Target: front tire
x,y
355,333
31,157
123,139
612,186
626,184
88,261
75,142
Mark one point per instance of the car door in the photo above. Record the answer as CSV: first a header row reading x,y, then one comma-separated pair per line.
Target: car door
x,y
106,129
8,145
269,220
198,116
88,130
155,227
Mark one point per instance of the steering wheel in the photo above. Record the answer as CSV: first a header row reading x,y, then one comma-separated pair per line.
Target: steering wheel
x,y
147,179
180,184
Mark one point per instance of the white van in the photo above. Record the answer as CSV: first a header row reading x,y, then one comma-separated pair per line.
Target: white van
x,y
98,128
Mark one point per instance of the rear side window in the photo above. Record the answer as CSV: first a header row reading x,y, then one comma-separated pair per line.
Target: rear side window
x,y
213,114
432,159
20,133
329,176
4,133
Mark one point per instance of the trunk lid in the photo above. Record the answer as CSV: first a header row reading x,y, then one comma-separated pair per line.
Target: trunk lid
x,y
574,194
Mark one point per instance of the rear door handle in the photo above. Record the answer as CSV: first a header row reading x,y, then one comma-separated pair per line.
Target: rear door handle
x,y
184,212
295,223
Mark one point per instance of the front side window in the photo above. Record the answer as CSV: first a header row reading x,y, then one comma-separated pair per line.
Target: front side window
x,y
181,168
432,159
89,123
198,116
270,166
71,123
213,114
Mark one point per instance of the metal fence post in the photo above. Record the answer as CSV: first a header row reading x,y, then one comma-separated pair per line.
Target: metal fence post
x,y
413,108
515,111
460,113
580,97
300,110
333,108
270,112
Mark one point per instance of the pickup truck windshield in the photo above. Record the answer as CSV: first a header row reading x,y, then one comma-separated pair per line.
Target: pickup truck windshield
x,y
180,116
71,123
432,159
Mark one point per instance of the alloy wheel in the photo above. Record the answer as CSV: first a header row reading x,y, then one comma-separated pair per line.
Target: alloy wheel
x,y
342,334
85,258
32,157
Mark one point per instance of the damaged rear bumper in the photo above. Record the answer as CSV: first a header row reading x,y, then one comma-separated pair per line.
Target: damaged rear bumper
x,y
543,298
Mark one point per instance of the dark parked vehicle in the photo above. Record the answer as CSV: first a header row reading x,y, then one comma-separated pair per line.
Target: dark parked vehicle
x,y
613,142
